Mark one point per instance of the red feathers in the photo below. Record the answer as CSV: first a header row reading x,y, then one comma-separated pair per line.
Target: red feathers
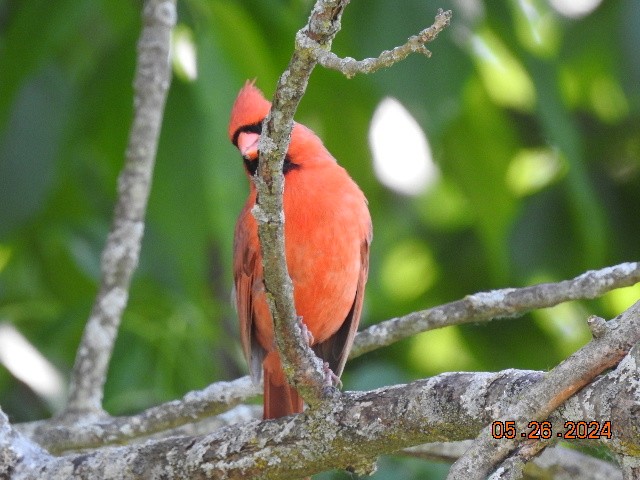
x,y
250,108
327,237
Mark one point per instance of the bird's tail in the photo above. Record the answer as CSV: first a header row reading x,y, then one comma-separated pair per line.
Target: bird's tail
x,y
280,399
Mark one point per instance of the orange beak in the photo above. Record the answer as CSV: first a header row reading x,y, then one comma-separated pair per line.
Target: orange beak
x,y
248,145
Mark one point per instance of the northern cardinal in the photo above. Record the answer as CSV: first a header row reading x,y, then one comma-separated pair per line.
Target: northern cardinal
x,y
327,236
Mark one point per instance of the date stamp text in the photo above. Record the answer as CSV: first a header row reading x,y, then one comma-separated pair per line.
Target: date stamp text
x,y
545,431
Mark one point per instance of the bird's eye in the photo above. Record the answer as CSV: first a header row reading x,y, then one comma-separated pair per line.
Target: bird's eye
x,y
251,128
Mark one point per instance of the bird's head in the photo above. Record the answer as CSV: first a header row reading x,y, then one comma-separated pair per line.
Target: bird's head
x,y
245,127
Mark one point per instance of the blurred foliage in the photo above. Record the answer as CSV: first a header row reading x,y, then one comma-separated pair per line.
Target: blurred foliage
x,y
533,119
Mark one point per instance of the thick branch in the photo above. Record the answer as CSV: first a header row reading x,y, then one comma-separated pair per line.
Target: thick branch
x,y
451,406
9,458
16,450
120,255
508,302
541,399
350,66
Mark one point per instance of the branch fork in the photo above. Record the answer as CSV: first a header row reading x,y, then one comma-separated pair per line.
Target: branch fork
x,y
537,402
350,67
313,44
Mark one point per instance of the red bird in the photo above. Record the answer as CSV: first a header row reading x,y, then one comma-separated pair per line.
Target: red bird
x,y
327,236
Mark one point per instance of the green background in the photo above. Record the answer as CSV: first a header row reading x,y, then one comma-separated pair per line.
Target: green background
x,y
533,119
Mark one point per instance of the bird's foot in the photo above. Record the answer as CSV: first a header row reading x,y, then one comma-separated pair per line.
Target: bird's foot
x,y
306,333
330,378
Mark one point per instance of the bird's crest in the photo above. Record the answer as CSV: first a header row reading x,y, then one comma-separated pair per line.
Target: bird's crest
x,y
250,108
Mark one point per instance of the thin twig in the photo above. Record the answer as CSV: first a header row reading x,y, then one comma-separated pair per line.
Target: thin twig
x,y
545,396
415,44
121,252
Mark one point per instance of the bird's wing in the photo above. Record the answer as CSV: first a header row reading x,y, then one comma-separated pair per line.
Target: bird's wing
x,y
245,258
336,348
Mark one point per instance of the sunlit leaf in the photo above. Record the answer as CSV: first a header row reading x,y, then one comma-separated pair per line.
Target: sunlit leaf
x,y
503,76
532,170
408,270
440,350
536,26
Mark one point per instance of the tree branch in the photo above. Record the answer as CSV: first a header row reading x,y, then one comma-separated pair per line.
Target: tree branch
x,y
512,468
302,368
569,464
451,406
508,302
194,406
553,462
350,66
541,399
15,450
220,396
121,252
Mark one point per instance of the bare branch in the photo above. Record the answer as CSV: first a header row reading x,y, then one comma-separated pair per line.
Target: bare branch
x,y
541,399
302,368
569,464
439,451
220,396
512,468
120,254
630,467
350,66
451,406
194,406
8,456
554,462
508,302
